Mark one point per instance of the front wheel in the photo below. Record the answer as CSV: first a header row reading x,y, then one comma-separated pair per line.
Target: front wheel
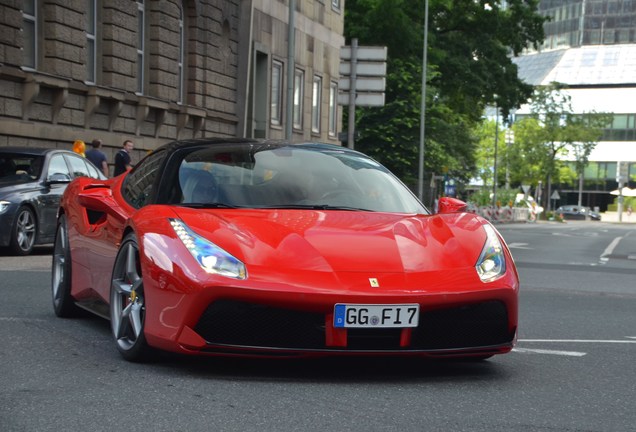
x,y
127,303
23,232
63,304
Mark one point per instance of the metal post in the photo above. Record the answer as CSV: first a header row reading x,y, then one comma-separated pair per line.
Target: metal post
x,y
352,94
494,180
420,176
620,201
291,48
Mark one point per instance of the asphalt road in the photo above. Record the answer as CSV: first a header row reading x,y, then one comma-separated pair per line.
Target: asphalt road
x,y
573,369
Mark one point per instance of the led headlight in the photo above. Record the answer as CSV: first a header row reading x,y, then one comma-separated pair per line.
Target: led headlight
x,y
4,205
491,264
210,257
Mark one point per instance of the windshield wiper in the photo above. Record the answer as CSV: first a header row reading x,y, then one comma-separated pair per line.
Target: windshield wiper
x,y
207,205
313,207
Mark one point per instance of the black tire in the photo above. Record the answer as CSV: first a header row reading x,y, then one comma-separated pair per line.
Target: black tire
x,y
63,303
127,303
23,232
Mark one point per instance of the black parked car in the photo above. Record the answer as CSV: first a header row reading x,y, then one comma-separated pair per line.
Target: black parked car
x,y
575,212
32,181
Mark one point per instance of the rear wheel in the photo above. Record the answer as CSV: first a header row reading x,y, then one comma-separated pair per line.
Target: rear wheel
x,y
23,232
63,304
127,303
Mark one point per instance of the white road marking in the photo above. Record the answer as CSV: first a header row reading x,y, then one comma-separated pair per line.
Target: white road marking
x,y
627,340
609,249
518,246
611,341
552,352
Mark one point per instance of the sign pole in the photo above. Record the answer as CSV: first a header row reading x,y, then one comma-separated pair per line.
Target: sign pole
x,y
352,94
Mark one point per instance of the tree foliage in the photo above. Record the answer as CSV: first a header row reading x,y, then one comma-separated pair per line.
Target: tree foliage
x,y
552,134
469,43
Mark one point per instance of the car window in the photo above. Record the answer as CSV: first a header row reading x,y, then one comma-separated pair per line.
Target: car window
x,y
138,184
92,171
18,168
78,166
57,165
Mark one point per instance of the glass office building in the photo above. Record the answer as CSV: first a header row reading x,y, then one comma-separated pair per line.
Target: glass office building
x,y
590,45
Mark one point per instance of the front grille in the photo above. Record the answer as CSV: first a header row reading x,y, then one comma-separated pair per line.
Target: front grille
x,y
475,325
229,322
238,323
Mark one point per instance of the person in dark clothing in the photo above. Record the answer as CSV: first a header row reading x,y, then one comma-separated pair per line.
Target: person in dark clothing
x,y
122,158
97,157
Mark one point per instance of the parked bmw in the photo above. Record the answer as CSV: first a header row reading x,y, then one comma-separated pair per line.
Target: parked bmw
x,y
32,181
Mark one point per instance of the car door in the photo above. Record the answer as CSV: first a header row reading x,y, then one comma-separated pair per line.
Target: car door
x,y
56,177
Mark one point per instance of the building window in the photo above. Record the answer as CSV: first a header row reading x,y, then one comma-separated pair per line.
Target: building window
x,y
141,21
299,90
333,109
316,102
277,93
335,4
29,23
181,62
91,39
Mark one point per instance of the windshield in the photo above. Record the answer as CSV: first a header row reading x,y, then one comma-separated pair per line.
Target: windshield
x,y
19,168
292,176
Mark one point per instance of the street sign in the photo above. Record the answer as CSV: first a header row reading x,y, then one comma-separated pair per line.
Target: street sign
x,y
362,99
364,53
622,170
450,188
372,84
362,82
555,195
364,68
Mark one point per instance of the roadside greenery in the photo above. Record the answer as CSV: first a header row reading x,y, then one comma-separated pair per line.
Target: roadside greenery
x,y
469,66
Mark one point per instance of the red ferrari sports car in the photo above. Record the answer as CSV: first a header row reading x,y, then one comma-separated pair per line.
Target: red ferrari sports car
x,y
271,249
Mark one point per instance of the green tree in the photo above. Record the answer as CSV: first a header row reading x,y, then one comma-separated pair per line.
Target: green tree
x,y
468,64
553,133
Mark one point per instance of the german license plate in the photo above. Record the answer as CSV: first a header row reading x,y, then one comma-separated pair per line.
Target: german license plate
x,y
375,316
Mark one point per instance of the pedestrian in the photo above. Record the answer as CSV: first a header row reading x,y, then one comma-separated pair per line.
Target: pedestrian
x,y
97,157
122,158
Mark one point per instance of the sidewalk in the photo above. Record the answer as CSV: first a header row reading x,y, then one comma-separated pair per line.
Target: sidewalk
x,y
613,217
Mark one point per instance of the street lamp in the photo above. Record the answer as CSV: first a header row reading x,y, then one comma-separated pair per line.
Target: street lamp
x,y
420,175
494,180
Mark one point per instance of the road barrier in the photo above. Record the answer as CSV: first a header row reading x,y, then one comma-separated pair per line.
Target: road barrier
x,y
506,214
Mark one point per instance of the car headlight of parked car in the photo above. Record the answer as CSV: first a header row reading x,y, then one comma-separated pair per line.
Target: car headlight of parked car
x,y
4,205
210,257
491,264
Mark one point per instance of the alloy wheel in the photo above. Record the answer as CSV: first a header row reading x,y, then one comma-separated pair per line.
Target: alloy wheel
x,y
127,307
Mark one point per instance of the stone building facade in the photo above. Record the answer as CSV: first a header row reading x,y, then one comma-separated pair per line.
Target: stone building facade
x,y
159,70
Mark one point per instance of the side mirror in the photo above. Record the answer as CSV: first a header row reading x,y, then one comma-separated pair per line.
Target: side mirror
x,y
58,178
100,201
451,205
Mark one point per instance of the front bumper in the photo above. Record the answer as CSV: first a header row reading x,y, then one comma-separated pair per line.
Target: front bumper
x,y
245,328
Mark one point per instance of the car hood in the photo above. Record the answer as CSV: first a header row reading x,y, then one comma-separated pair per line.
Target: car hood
x,y
342,240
